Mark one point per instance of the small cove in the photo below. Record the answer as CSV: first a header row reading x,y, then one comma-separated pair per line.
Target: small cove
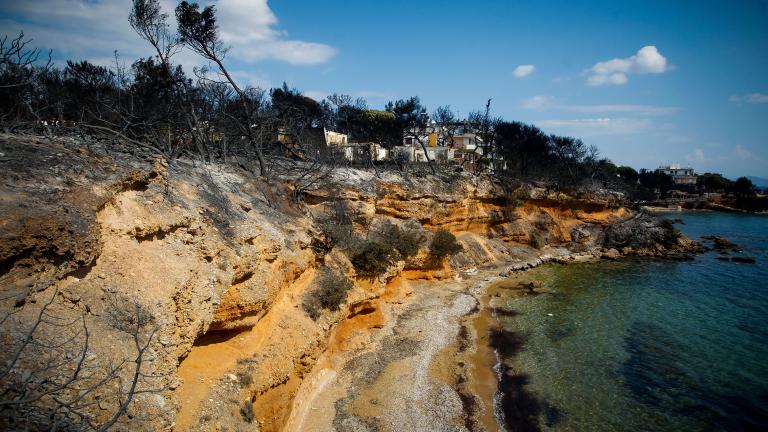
x,y
642,344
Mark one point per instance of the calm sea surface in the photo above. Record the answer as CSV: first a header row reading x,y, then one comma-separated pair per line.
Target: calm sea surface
x,y
650,345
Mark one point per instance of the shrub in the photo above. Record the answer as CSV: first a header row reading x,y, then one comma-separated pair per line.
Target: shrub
x,y
513,200
244,378
444,244
246,410
407,242
373,258
537,240
330,293
404,241
337,226
336,234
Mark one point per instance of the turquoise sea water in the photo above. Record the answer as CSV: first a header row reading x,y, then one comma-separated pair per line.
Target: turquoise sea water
x,y
647,345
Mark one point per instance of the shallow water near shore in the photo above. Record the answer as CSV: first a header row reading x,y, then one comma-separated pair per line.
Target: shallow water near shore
x,y
644,344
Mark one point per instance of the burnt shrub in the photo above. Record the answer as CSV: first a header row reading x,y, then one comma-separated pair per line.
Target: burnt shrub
x,y
373,258
443,244
338,235
338,226
331,292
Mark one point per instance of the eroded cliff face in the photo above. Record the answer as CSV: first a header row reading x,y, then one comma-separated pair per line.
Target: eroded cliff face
x,y
220,261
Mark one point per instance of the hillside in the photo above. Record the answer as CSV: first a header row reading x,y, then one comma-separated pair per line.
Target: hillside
x,y
175,293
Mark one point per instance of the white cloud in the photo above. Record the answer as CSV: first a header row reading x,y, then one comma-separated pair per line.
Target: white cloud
x,y
602,126
539,103
615,72
248,25
542,103
612,79
77,29
751,98
524,70
290,51
246,21
647,110
94,29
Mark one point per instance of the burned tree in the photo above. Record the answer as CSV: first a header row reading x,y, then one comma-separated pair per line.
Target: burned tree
x,y
447,122
50,377
414,120
484,126
199,32
21,106
524,147
181,126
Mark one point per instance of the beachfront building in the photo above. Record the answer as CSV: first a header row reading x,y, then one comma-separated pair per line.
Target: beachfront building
x,y
467,148
430,139
680,175
415,153
335,138
358,152
467,141
364,151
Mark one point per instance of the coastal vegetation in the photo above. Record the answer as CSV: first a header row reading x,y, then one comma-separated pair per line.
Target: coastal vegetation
x,y
373,258
443,245
330,293
385,245
372,254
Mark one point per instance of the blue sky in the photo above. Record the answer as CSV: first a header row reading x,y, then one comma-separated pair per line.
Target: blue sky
x,y
649,82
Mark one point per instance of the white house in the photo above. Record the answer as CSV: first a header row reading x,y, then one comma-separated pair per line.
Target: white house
x,y
680,175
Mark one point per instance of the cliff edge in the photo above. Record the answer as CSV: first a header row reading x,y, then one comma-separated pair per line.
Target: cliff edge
x,y
163,296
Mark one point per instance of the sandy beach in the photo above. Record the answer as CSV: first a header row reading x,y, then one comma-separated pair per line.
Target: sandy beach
x,y
406,376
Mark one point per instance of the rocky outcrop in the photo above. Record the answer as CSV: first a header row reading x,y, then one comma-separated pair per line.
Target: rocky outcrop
x,y
721,244
646,235
731,204
197,249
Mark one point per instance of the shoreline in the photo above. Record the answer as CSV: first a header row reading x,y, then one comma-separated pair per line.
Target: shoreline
x,y
486,336
234,343
724,209
707,207
396,379
485,402
432,362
